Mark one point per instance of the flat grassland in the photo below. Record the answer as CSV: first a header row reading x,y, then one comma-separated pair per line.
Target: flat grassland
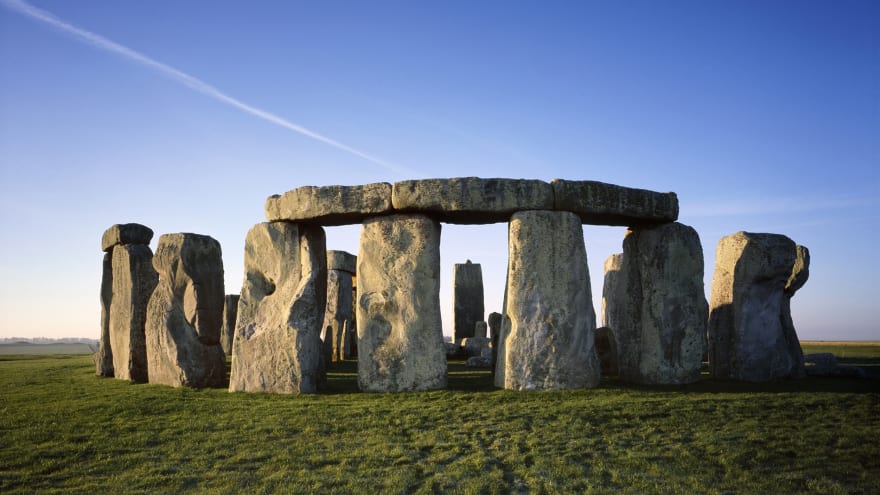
x,y
64,430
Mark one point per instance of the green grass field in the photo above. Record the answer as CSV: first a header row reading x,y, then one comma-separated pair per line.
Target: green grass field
x,y
64,430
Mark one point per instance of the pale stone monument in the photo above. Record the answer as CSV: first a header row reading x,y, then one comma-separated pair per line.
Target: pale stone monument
x,y
751,337
546,340
280,311
185,312
400,337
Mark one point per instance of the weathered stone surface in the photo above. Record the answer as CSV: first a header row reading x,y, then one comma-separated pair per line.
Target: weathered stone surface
x,y
749,338
606,348
477,346
330,205
471,200
467,298
481,329
133,282
659,309
278,334
820,364
338,311
400,337
547,336
613,291
185,313
494,324
227,331
126,233
478,362
599,203
104,357
799,275
342,260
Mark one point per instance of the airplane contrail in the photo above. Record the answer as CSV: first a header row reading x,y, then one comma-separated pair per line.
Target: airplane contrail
x,y
192,82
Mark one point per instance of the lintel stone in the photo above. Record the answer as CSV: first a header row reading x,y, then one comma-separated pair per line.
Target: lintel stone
x,y
342,261
125,233
598,203
330,205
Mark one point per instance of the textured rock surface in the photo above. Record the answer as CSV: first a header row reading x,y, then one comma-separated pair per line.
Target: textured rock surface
x,y
477,346
125,233
330,205
338,311
608,204
547,336
278,334
481,329
467,298
400,337
342,260
749,338
133,282
227,330
658,308
185,313
468,200
606,348
104,357
799,275
494,324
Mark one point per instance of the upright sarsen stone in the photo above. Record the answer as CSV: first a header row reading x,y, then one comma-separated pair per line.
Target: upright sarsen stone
x,y
185,313
657,307
546,341
277,345
227,330
750,334
400,337
104,357
339,304
134,280
467,299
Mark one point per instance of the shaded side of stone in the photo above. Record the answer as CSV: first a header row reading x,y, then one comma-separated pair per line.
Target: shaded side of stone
x,y
339,294
330,205
606,349
185,313
104,357
547,338
125,233
467,299
663,312
400,337
471,200
134,280
277,344
598,203
342,261
748,337
230,314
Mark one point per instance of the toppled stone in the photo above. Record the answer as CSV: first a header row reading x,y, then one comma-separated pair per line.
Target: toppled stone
x,y
471,200
478,362
342,261
185,312
750,336
400,339
598,203
227,330
283,297
476,346
825,364
330,205
547,339
659,310
467,298
125,233
104,356
134,280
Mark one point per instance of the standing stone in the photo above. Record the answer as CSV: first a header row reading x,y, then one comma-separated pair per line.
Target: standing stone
x,y
277,344
799,275
494,324
340,267
655,305
400,336
467,298
606,348
481,330
104,357
750,338
133,282
546,341
227,331
185,313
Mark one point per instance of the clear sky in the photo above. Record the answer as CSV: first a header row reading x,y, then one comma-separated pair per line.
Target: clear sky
x,y
184,116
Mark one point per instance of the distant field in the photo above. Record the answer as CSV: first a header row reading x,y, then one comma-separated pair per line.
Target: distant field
x,y
40,349
64,430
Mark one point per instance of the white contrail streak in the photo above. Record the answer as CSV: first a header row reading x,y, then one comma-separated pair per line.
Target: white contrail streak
x,y
193,83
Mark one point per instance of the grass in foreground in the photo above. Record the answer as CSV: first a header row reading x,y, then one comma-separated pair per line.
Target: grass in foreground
x,y
65,430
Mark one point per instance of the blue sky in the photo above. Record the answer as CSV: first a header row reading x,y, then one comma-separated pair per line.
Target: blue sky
x,y
762,116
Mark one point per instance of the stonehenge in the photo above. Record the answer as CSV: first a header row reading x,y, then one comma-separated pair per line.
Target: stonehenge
x,y
751,334
166,319
184,313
